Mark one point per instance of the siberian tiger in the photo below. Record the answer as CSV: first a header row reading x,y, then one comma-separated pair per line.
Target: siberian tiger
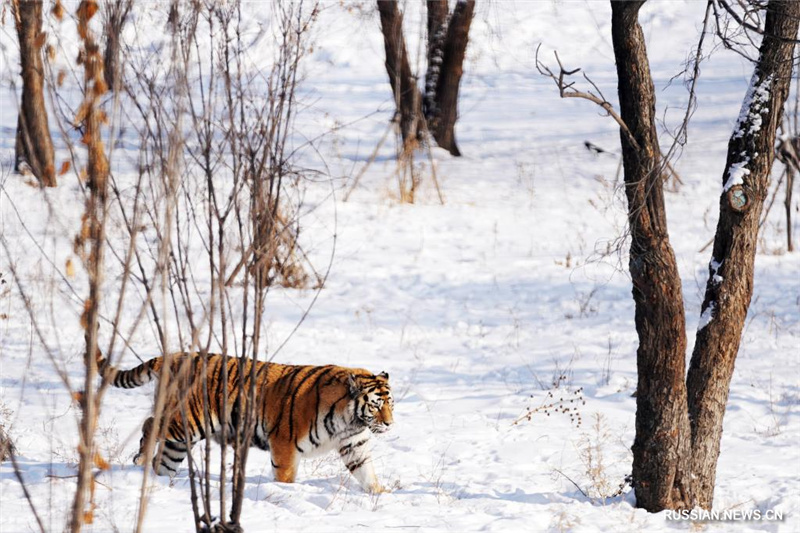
x,y
301,411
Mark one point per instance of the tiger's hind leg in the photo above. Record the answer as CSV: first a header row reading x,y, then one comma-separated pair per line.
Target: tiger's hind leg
x,y
147,428
170,455
170,452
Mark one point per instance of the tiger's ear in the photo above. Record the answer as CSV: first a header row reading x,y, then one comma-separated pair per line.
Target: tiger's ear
x,y
352,385
384,375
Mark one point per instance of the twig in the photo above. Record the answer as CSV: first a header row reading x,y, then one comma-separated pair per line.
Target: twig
x,y
568,90
575,484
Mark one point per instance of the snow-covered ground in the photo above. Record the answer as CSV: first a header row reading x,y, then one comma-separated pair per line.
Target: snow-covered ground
x,y
508,297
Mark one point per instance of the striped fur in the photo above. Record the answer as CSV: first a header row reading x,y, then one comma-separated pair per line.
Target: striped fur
x,y
301,411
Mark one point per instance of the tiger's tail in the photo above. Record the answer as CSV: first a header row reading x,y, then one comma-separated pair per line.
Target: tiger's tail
x,y
134,377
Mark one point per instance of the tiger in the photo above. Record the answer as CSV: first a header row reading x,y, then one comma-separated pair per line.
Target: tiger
x,y
301,411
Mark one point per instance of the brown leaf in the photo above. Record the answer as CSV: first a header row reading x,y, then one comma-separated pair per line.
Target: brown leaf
x,y
100,86
62,74
58,11
100,462
85,315
65,166
40,39
70,268
80,114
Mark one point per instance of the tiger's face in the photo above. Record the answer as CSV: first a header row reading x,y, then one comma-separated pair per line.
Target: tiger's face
x,y
373,401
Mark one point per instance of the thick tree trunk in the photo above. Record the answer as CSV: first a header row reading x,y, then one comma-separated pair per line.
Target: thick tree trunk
x,y
33,143
662,479
437,31
787,205
730,284
442,117
437,109
115,14
6,446
404,84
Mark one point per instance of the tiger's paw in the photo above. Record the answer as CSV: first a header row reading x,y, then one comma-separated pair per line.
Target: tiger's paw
x,y
379,489
138,459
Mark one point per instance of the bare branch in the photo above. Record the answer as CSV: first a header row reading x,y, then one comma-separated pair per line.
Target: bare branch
x,y
568,90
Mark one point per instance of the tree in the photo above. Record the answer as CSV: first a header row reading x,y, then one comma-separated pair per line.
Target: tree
x,y
6,445
116,13
33,143
437,109
661,447
679,416
730,282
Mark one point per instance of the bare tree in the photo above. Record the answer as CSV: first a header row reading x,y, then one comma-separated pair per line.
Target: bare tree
x,y
679,417
33,143
94,232
661,448
115,13
730,281
448,35
6,445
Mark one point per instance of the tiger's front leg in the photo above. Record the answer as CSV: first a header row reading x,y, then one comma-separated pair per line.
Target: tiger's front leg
x,y
285,460
355,454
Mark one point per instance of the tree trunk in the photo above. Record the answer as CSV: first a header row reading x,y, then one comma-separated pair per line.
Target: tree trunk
x,y
115,14
437,109
442,117
787,204
33,143
6,445
661,448
730,283
437,31
404,84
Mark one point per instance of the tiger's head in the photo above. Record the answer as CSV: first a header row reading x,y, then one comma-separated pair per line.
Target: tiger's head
x,y
373,400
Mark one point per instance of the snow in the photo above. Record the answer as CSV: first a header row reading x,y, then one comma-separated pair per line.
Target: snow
x,y
754,105
715,265
736,174
510,296
707,315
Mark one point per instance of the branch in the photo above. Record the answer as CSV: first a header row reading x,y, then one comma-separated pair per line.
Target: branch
x,y
568,90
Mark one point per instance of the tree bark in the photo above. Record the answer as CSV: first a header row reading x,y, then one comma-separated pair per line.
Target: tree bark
x,y
33,143
661,449
442,117
403,82
437,109
730,283
437,31
787,205
6,445
115,14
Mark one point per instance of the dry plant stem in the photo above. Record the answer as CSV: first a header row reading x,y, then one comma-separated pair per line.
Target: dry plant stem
x,y
170,176
94,232
369,162
18,475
